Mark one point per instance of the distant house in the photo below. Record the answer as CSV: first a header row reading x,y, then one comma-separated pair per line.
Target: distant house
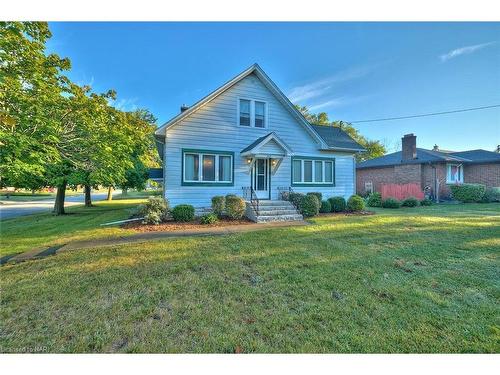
x,y
435,169
247,138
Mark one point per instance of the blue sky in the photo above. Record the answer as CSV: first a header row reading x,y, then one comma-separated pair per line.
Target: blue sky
x,y
352,71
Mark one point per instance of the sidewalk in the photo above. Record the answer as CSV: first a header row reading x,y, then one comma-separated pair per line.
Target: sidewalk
x,y
147,236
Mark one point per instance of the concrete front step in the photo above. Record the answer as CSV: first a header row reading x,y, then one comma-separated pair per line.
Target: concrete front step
x,y
277,212
271,218
274,203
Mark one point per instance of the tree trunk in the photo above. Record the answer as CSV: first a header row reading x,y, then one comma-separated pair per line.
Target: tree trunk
x,y
110,193
88,197
59,203
124,191
33,191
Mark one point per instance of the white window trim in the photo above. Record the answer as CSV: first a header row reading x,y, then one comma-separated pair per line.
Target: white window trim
x,y
252,112
200,168
323,175
448,174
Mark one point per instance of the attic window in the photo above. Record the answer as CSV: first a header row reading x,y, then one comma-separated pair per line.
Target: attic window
x,y
252,113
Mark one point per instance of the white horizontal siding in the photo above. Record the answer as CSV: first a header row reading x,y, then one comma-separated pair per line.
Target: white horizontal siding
x,y
214,127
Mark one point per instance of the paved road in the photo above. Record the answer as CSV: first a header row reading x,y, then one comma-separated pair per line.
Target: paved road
x,y
15,209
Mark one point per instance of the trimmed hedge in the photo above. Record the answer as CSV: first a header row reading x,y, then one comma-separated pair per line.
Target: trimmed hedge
x,y
218,205
325,207
209,219
426,202
374,200
410,202
355,203
309,205
183,213
391,203
317,194
154,211
492,195
235,207
338,204
296,199
468,193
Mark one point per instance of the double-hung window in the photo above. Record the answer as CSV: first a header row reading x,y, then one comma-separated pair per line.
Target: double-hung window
x,y
454,174
308,171
202,167
252,113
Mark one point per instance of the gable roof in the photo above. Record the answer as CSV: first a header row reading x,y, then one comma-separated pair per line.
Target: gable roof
x,y
430,156
259,142
257,70
337,139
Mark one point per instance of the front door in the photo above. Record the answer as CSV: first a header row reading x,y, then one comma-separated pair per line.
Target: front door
x,y
260,178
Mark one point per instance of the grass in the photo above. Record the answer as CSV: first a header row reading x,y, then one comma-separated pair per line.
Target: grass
x,y
138,194
408,280
30,232
28,196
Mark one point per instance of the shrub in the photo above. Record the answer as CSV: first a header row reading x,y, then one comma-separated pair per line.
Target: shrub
x,y
338,204
317,194
325,207
154,211
374,200
235,207
355,203
218,205
492,195
468,192
209,219
391,203
296,199
183,212
410,202
426,202
309,205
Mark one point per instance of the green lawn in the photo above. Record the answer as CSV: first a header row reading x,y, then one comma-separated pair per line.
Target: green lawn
x,y
30,232
28,197
407,280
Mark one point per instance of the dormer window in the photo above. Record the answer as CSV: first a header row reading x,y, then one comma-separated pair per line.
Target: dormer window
x,y
252,113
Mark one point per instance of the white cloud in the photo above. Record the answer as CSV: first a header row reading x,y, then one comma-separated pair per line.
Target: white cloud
x,y
320,87
125,104
329,103
464,51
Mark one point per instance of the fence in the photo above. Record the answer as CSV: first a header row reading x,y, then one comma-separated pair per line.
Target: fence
x,y
401,191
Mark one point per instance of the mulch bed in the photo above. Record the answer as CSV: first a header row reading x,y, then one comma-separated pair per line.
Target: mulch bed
x,y
171,226
360,213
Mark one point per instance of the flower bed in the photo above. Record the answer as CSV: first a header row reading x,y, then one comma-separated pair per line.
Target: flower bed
x,y
170,226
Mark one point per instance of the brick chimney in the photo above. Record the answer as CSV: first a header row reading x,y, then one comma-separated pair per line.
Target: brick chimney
x,y
409,142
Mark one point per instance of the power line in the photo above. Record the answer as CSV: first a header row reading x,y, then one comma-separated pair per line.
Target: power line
x,y
427,114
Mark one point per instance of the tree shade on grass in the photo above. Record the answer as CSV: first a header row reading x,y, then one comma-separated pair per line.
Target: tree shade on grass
x,y
420,280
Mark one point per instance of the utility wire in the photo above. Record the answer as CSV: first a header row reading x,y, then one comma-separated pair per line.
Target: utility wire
x,y
426,114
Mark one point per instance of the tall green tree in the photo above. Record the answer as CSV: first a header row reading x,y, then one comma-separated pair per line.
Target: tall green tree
x,y
374,148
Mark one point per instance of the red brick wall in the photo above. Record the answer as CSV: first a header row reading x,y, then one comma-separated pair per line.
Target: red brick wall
x,y
375,175
428,179
487,174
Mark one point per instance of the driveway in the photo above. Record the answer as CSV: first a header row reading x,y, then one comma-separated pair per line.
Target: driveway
x,y
15,209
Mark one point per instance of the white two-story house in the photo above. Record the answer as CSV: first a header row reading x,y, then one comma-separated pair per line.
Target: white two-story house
x,y
247,138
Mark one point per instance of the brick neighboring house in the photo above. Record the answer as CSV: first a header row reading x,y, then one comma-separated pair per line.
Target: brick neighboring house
x,y
435,169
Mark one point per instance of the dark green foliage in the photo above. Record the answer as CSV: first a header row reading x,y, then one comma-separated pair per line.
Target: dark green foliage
x,y
183,213
468,193
310,205
218,204
325,207
209,219
317,194
296,199
491,195
235,207
426,202
154,211
391,203
374,200
355,203
410,202
338,204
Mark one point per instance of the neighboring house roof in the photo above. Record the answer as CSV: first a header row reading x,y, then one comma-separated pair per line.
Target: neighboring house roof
x,y
254,147
430,156
156,173
336,138
257,70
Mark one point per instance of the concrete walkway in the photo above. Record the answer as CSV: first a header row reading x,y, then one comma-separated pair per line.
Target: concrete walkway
x,y
144,237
